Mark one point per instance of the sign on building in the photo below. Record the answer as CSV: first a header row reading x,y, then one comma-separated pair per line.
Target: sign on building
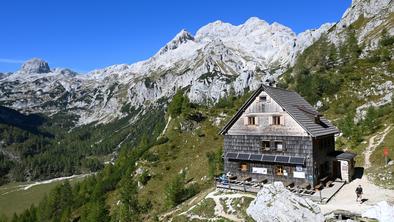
x,y
259,170
298,174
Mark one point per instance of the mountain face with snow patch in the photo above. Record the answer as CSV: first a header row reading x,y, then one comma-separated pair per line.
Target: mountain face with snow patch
x,y
219,59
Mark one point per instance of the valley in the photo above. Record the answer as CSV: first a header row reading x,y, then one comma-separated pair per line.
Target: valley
x,y
16,197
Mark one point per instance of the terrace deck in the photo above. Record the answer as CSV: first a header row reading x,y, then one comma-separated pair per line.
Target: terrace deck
x,y
321,196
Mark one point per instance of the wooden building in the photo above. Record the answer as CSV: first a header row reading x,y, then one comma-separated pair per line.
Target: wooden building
x,y
277,135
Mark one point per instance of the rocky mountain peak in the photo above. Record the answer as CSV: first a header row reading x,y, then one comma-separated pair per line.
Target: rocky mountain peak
x,y
35,65
369,17
366,9
214,30
255,23
181,38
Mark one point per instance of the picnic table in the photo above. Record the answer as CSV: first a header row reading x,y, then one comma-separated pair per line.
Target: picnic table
x,y
289,184
246,178
232,177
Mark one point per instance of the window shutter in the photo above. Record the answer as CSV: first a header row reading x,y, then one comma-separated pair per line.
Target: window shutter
x,y
282,120
268,99
256,120
270,120
258,99
246,120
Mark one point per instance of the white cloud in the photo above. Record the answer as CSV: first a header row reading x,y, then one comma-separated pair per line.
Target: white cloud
x,y
12,61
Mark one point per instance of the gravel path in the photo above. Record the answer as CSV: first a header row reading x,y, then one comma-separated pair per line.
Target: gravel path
x,y
373,144
345,199
219,211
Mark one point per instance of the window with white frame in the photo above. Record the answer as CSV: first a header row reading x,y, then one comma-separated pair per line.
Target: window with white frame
x,y
279,146
276,120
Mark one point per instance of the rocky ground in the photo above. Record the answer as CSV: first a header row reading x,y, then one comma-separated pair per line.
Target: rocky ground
x,y
275,203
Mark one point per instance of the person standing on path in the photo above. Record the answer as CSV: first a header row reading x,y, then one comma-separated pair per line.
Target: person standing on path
x,y
359,193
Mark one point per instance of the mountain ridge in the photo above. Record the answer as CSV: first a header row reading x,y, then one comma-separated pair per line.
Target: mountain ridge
x,y
219,59
203,63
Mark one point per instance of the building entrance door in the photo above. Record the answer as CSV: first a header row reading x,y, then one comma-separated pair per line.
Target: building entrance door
x,y
336,169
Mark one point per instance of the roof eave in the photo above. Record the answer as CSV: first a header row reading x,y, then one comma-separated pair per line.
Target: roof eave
x,y
240,111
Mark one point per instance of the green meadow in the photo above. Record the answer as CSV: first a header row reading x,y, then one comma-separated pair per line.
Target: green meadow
x,y
15,199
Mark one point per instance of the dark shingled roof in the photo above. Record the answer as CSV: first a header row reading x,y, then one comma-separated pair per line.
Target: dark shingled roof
x,y
295,106
341,155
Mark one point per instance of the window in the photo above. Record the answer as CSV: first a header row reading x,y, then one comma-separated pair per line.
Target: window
x,y
279,146
244,167
263,99
276,120
265,145
251,120
279,170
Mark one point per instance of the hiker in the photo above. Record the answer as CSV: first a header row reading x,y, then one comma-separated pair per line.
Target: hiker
x,y
359,192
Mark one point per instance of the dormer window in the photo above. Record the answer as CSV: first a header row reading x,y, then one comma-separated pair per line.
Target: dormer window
x,y
317,119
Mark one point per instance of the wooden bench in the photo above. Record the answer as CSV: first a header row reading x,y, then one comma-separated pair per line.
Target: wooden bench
x,y
319,186
309,192
324,180
232,181
256,185
246,179
305,186
232,177
289,184
329,183
263,181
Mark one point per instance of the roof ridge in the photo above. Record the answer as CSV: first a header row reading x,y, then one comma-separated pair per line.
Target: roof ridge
x,y
272,87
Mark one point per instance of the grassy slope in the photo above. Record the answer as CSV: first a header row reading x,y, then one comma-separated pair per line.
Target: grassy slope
x,y
188,143
185,150
342,80
380,174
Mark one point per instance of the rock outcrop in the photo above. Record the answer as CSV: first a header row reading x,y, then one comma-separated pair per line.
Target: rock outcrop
x,y
35,65
275,203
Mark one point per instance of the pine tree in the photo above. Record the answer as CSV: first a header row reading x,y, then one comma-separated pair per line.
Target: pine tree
x,y
129,199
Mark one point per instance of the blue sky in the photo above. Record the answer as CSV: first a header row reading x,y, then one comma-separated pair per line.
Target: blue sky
x,y
87,34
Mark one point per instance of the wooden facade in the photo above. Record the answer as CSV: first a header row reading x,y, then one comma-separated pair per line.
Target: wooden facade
x,y
273,128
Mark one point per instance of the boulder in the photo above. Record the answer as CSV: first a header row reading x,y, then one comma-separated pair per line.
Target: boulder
x,y
275,203
382,212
